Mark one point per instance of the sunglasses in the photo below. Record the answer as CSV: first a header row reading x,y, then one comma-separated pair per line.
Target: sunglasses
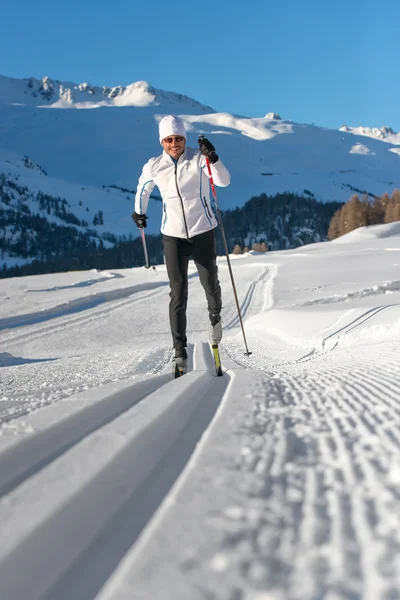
x,y
176,138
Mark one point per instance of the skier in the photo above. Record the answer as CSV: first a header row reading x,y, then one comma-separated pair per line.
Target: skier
x,y
188,224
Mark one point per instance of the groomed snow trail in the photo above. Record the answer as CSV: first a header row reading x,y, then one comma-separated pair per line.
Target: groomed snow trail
x,y
107,467
279,481
312,488
62,372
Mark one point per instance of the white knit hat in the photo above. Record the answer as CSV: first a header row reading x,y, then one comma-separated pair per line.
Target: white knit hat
x,y
171,125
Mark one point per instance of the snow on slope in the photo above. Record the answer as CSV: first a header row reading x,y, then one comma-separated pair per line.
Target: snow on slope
x,y
109,145
278,481
83,201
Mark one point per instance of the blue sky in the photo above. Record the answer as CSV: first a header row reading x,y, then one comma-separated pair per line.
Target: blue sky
x,y
312,62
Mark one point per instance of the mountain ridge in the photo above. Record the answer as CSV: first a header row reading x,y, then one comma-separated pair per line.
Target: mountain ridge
x,y
87,158
385,133
66,94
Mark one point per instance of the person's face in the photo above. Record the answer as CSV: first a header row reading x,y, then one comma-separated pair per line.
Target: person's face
x,y
174,145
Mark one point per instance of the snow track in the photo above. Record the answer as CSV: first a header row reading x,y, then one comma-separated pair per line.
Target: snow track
x,y
66,316
253,299
58,384
334,443
112,464
278,481
33,453
314,485
37,385
83,304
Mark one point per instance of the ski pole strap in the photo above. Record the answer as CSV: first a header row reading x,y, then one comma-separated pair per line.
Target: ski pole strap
x,y
219,218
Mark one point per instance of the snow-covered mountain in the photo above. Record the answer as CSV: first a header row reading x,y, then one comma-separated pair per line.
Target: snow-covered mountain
x,y
385,134
93,158
65,94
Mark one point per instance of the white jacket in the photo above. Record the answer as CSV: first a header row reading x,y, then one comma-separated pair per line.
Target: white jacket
x,y
185,191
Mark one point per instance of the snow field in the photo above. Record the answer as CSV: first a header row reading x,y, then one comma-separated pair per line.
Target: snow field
x,y
279,481
119,452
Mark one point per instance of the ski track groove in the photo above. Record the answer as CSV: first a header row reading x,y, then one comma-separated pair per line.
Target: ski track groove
x,y
54,580
247,301
70,321
23,403
270,349
32,455
369,314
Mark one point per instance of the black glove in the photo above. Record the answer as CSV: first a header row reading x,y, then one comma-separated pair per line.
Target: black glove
x,y
140,220
207,149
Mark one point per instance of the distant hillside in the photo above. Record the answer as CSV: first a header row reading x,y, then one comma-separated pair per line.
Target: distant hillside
x,y
283,221
84,146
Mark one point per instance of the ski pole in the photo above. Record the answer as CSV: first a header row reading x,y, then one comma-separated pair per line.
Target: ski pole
x,y
146,256
221,226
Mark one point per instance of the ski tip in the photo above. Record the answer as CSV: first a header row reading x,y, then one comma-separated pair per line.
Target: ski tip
x,y
217,360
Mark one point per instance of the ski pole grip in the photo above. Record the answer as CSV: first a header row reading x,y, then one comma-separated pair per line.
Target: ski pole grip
x,y
200,139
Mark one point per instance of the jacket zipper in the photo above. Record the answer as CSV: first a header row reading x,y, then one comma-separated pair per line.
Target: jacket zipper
x,y
180,197
206,205
165,214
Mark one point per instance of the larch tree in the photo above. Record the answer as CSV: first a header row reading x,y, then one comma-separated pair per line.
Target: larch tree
x,y
334,230
389,211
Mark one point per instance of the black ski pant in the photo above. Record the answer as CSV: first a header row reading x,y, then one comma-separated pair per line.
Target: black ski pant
x,y
177,251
